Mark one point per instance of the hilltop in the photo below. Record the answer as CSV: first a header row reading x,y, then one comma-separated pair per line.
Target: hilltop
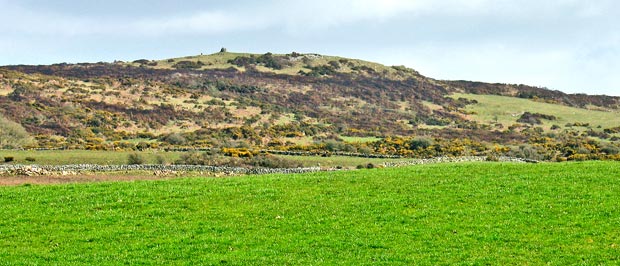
x,y
296,102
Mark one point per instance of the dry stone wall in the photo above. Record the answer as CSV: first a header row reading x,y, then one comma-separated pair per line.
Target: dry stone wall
x,y
47,169
38,170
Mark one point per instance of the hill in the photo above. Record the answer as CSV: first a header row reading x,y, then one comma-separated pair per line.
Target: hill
x,y
303,102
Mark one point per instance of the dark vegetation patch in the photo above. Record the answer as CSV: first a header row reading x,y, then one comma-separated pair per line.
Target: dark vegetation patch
x,y
267,60
188,64
145,62
535,118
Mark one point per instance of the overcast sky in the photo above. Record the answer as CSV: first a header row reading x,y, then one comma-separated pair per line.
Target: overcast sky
x,y
568,45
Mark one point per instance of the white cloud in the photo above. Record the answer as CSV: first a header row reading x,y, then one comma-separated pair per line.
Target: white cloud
x,y
563,44
303,15
568,69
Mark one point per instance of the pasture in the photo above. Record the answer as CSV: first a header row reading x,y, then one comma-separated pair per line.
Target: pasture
x,y
457,213
61,157
506,110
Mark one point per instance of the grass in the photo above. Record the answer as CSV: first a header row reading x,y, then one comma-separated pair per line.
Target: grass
x,y
333,161
212,61
444,214
509,109
60,157
220,61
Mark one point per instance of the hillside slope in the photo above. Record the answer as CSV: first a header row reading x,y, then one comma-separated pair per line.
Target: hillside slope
x,y
293,101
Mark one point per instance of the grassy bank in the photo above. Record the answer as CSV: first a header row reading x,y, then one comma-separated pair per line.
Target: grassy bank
x,y
471,213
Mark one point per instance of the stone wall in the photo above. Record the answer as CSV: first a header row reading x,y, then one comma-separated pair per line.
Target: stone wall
x,y
453,160
32,170
35,170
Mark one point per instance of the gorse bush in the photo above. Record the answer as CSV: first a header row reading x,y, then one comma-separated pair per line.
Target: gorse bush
x,y
135,158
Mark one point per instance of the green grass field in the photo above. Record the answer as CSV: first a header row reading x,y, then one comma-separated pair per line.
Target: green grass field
x,y
508,109
60,157
335,161
467,214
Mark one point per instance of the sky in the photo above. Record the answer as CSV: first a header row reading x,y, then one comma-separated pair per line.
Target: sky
x,y
567,45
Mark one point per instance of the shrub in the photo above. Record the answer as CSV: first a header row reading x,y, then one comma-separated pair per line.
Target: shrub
x,y
268,60
30,159
142,146
578,157
239,152
318,71
141,61
175,139
9,159
492,158
13,135
145,135
420,143
135,158
191,158
270,161
610,149
160,160
188,65
527,152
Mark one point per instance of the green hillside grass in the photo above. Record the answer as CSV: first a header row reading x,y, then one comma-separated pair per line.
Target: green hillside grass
x,y
212,61
508,109
220,61
444,214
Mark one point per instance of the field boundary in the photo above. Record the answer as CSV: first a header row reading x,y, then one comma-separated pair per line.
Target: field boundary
x,y
67,169
39,170
455,160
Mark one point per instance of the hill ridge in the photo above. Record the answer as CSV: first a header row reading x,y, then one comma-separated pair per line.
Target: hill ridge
x,y
289,101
